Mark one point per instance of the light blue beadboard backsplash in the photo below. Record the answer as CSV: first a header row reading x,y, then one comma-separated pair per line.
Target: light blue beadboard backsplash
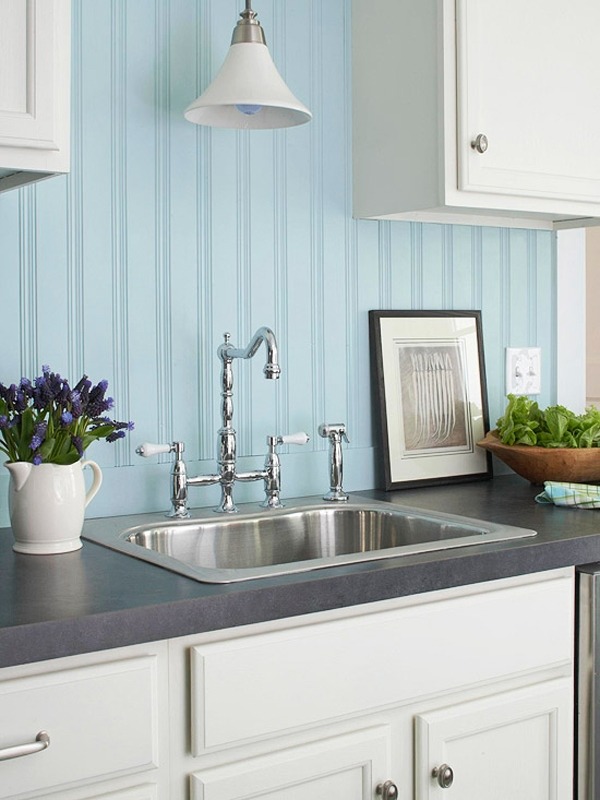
x,y
165,235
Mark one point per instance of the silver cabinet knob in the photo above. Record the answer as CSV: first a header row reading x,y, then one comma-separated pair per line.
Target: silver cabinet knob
x,y
480,143
387,790
444,775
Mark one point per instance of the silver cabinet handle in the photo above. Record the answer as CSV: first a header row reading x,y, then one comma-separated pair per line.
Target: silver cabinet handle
x,y
444,775
387,790
480,143
42,741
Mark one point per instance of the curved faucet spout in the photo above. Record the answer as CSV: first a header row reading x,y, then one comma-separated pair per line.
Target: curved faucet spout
x,y
271,369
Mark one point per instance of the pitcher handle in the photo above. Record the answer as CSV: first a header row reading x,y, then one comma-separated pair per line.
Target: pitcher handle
x,y
96,482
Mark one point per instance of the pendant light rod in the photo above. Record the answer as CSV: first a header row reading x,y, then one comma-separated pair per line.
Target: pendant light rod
x,y
248,28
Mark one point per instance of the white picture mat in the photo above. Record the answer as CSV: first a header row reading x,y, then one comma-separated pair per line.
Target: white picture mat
x,y
430,333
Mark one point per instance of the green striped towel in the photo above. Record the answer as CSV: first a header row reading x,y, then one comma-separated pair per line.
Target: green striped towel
x,y
576,495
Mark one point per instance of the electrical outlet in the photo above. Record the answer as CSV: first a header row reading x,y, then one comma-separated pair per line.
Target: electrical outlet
x,y
523,370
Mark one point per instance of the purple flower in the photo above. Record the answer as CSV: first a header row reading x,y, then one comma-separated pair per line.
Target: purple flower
x,y
63,395
76,404
39,434
42,394
97,404
83,389
36,415
26,387
20,401
80,384
11,395
112,437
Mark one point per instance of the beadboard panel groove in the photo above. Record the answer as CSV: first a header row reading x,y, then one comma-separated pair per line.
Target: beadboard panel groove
x,y
119,202
28,290
164,235
162,230
75,252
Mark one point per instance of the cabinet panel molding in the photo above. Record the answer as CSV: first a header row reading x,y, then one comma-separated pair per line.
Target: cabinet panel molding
x,y
274,683
536,147
429,78
102,721
518,744
348,766
35,55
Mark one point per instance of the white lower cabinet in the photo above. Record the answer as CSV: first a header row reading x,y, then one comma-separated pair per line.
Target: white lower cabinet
x,y
461,693
514,745
106,720
464,693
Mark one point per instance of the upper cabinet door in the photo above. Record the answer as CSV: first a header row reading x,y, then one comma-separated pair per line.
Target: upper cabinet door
x,y
526,81
34,90
476,111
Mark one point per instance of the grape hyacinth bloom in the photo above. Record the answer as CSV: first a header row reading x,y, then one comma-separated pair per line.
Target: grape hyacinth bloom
x,y
38,436
77,444
44,420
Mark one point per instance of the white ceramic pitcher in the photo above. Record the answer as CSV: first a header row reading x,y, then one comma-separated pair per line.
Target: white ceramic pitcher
x,y
46,504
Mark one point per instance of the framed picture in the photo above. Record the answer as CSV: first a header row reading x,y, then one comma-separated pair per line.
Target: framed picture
x,y
430,396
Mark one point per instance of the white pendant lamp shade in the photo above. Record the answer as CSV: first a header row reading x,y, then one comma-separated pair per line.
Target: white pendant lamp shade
x,y
248,92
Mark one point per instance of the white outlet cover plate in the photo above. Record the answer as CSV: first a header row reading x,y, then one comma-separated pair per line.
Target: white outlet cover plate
x,y
523,370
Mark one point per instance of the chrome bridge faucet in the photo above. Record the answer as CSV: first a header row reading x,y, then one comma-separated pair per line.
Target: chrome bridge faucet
x,y
227,474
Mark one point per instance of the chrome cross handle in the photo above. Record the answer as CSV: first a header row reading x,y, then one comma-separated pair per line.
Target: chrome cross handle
x,y
273,466
179,493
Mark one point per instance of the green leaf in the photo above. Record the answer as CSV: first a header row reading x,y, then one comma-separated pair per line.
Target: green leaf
x,y
557,423
523,422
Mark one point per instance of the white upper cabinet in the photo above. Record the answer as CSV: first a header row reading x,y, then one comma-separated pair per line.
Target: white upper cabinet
x,y
35,38
476,111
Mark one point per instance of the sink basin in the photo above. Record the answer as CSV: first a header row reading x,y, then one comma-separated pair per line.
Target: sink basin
x,y
225,549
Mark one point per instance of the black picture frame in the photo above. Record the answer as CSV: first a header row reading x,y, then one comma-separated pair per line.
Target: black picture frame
x,y
429,396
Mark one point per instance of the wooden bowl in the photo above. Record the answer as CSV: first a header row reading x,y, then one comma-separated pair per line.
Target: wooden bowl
x,y
539,464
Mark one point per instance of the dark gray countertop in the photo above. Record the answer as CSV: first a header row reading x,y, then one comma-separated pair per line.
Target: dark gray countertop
x,y
95,598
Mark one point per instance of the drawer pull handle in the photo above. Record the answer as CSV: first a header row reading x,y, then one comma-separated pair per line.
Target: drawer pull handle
x,y
42,741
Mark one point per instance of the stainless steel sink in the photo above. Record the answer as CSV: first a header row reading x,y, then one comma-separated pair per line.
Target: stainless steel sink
x,y
225,549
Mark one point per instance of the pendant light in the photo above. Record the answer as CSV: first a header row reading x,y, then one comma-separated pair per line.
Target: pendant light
x,y
248,92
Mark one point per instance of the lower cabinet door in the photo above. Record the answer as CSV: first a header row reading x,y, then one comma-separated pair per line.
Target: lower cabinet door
x,y
516,745
102,721
348,766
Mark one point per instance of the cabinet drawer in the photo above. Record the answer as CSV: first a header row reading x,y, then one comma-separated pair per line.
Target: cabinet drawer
x,y
268,684
102,720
